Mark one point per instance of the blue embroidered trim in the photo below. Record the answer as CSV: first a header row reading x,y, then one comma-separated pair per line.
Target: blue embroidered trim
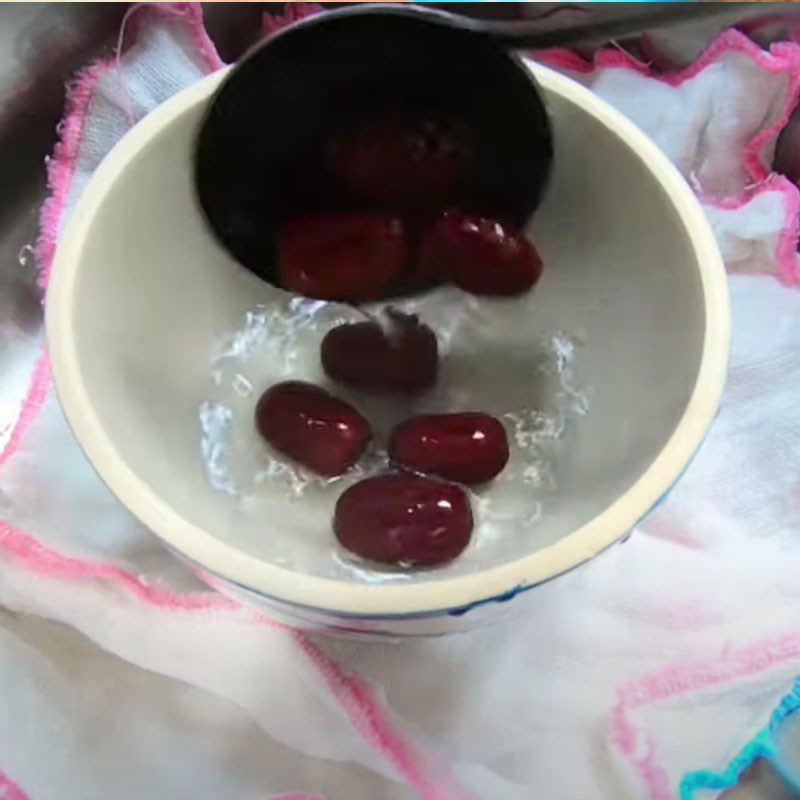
x,y
762,745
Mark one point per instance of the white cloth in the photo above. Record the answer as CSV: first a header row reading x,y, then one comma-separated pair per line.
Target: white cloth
x,y
641,675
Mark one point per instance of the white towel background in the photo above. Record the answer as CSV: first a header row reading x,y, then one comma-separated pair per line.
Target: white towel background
x,y
644,674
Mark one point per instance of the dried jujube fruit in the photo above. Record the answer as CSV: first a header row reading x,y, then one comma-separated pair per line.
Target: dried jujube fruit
x,y
351,256
312,427
396,355
482,255
469,448
404,519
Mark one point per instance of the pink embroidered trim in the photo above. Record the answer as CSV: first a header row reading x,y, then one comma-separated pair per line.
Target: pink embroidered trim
x,y
189,13
193,12
353,694
786,249
360,706
61,167
365,713
782,57
31,405
10,790
60,171
731,665
33,555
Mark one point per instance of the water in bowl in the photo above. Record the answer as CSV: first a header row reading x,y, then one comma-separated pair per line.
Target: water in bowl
x,y
489,362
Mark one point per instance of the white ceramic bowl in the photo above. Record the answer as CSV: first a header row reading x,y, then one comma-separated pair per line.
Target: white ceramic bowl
x,y
141,295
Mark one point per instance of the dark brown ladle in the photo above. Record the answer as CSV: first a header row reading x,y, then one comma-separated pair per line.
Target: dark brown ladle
x,y
260,152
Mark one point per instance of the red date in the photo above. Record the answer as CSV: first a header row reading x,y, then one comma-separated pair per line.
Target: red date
x,y
311,426
481,255
348,256
400,356
404,519
469,448
404,161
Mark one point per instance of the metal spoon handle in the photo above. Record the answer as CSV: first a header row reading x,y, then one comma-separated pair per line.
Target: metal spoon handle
x,y
596,27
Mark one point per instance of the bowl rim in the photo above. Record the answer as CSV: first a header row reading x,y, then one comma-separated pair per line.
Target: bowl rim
x,y
362,599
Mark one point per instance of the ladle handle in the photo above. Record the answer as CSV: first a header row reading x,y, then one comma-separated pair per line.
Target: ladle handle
x,y
598,25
